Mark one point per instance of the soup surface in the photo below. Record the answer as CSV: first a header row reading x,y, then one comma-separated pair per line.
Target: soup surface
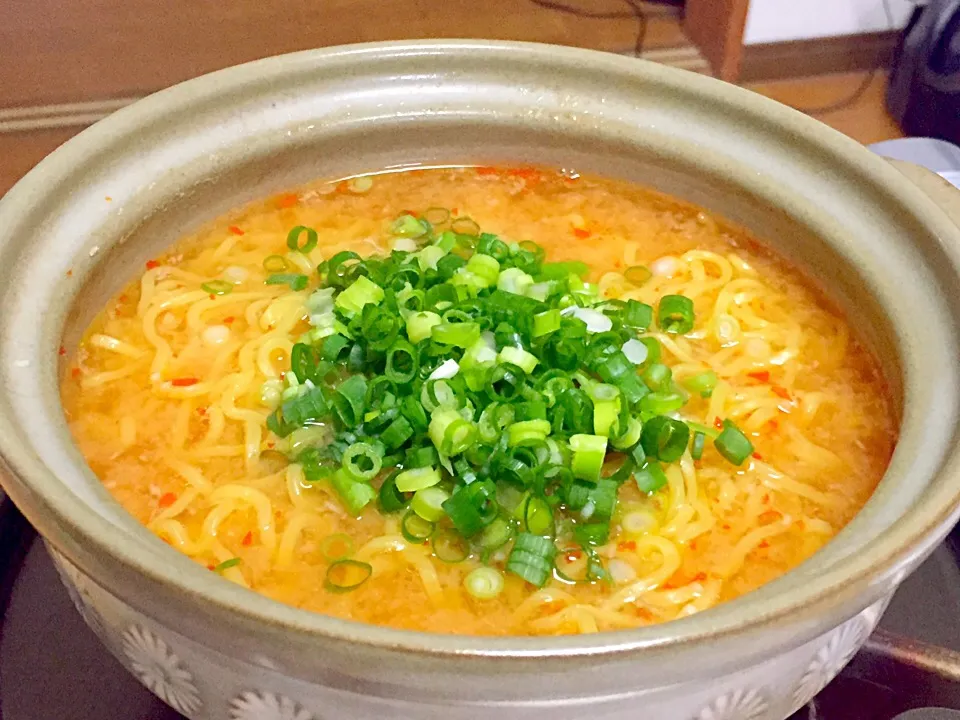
x,y
759,431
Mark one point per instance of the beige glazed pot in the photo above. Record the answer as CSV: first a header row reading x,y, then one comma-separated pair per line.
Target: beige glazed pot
x,y
877,244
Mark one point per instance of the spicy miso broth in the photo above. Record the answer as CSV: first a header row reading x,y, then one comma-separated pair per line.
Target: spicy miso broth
x,y
481,401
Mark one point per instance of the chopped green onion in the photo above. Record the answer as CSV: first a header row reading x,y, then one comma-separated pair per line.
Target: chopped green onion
x,y
630,437
527,430
637,274
217,287
420,325
361,461
703,384
450,547
355,494
484,583
665,438
465,226
538,516
657,376
650,477
515,281
461,334
696,451
472,507
661,403
606,408
436,216
532,558
484,267
428,503
589,452
675,314
546,322
637,315
450,433
518,356
293,239
227,564
732,444
415,529
408,226
417,479
346,575
392,499
296,281
275,264
363,291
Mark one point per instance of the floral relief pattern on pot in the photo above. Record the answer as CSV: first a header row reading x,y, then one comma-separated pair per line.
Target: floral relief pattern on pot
x,y
737,705
201,683
832,656
160,670
267,706
76,584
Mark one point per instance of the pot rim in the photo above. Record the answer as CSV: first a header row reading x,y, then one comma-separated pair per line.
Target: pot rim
x,y
52,506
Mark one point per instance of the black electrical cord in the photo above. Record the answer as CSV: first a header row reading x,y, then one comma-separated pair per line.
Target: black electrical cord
x,y
862,88
635,10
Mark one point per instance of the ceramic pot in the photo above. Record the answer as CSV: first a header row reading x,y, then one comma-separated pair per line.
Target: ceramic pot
x,y
83,222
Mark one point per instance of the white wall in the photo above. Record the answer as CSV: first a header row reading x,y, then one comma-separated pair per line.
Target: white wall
x,y
781,20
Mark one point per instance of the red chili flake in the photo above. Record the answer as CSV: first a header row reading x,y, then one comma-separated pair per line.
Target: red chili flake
x,y
75,373
122,298
288,200
726,526
408,212
211,567
766,499
69,273
764,545
228,320
526,173
627,546
717,422
184,382
581,233
247,539
212,296
757,456
201,411
487,171
573,555
343,186
455,211
780,392
699,577
151,264
760,375
271,444
62,350
166,500
693,544
235,230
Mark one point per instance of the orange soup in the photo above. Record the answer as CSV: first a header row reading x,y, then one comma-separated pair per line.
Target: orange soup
x,y
481,401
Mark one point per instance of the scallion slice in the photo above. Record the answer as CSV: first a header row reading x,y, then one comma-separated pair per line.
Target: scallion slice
x,y
309,236
484,583
218,287
732,444
346,575
675,314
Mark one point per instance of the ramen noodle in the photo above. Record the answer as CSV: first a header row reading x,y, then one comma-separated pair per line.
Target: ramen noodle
x,y
481,401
